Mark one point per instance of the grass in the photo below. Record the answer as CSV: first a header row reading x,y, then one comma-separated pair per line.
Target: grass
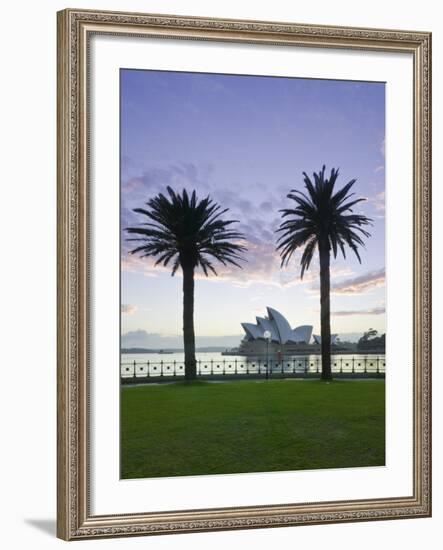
x,y
251,426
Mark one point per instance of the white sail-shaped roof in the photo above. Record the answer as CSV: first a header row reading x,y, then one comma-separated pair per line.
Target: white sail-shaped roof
x,y
283,327
302,334
280,329
266,324
253,331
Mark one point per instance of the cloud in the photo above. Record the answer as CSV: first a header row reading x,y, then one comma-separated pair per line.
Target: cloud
x,y
374,206
361,284
379,201
379,168
291,275
155,179
128,309
262,261
313,275
261,264
141,338
135,338
266,206
136,191
132,263
373,311
255,205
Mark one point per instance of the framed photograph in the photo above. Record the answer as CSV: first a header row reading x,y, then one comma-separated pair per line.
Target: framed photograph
x,y
244,289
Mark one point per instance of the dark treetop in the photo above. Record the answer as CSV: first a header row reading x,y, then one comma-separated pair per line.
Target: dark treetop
x,y
187,232
321,214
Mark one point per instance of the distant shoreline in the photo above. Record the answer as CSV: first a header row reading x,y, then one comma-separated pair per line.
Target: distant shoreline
x,y
173,350
218,349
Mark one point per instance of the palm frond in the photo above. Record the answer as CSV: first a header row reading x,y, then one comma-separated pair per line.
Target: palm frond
x,y
185,231
321,214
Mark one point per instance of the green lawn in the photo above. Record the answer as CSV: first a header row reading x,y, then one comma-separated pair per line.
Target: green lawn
x,y
251,426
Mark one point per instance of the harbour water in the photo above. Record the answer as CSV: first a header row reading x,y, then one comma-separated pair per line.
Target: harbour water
x,y
172,364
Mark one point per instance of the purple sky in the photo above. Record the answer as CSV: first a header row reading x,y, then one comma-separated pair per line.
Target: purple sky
x,y
245,141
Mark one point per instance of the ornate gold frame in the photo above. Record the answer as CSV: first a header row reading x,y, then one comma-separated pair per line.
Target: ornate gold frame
x,y
74,30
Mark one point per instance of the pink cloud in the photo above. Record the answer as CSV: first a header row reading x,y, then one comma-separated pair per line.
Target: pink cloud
x,y
128,309
372,311
361,284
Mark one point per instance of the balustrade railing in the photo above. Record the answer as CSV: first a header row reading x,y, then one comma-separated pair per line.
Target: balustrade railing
x,y
369,364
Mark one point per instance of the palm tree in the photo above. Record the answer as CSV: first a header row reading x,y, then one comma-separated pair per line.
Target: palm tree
x,y
185,232
322,219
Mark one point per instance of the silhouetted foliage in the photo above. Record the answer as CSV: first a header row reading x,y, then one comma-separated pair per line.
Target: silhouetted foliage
x,y
185,232
323,220
370,341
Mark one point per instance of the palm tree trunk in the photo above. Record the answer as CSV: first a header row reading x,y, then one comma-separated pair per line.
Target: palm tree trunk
x,y
188,323
325,309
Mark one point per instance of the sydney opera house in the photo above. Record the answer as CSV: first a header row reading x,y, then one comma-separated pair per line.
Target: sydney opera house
x,y
276,332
